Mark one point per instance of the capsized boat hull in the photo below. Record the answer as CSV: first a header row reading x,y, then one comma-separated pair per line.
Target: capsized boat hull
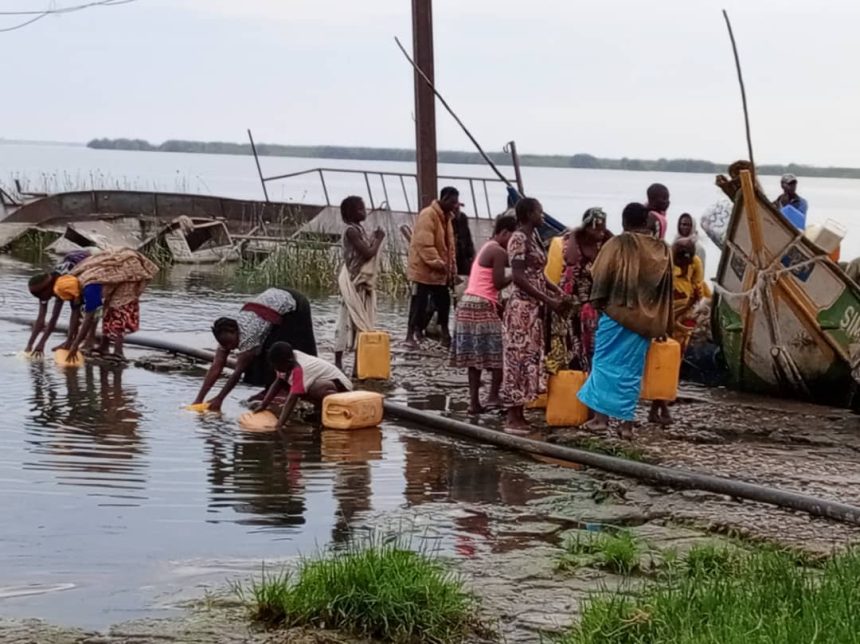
x,y
795,330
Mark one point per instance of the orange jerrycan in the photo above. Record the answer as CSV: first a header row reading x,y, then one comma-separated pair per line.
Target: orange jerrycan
x,y
662,371
352,410
563,408
373,356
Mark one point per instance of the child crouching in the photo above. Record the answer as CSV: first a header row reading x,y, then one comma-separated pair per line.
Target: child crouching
x,y
306,377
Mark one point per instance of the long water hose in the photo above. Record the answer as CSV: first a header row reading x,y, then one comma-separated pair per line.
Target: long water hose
x,y
655,474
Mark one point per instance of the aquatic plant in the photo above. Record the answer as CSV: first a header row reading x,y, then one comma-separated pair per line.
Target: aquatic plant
x,y
374,588
592,444
617,552
732,597
313,265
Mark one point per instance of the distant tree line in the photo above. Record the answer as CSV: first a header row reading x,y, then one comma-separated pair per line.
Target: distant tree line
x,y
402,154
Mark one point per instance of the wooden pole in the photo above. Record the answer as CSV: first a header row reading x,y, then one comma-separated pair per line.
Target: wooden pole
x,y
425,103
442,100
743,89
511,147
259,169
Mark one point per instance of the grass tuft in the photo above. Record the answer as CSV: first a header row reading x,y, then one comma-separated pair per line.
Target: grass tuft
x,y
617,552
733,597
376,589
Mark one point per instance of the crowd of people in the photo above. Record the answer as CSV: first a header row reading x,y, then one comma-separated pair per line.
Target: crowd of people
x,y
593,302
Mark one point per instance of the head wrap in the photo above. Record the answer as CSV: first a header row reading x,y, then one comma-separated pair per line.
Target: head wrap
x,y
593,215
67,288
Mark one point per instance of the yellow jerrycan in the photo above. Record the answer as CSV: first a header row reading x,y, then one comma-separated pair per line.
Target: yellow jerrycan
x,y
352,410
563,408
662,371
373,356
537,403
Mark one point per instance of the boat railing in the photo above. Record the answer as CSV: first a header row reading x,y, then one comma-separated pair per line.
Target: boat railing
x,y
391,187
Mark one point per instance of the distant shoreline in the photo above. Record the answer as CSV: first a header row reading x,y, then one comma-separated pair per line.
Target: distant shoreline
x,y
582,161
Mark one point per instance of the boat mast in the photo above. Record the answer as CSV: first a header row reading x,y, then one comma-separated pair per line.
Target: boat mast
x,y
743,90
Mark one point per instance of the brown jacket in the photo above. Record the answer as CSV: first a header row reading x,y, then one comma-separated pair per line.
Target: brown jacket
x,y
431,251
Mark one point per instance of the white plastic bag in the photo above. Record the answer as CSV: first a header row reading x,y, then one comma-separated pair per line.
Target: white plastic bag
x,y
715,221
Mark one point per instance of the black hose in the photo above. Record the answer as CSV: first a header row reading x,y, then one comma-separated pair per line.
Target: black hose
x,y
670,477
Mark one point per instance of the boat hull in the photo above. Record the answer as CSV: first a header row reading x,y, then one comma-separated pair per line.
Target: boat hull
x,y
786,316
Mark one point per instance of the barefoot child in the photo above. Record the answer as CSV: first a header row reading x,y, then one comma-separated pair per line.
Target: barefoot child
x,y
477,342
307,377
356,280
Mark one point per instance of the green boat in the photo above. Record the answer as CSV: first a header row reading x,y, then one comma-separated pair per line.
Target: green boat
x,y
786,316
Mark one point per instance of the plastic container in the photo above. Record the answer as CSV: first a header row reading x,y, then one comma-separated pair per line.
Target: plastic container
x,y
352,410
373,356
662,371
794,216
563,408
537,403
827,237
264,421
61,356
555,260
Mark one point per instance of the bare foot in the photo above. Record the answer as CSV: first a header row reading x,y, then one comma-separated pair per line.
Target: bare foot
x,y
596,425
475,410
625,431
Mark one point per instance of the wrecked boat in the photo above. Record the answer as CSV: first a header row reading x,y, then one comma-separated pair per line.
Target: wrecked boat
x,y
786,316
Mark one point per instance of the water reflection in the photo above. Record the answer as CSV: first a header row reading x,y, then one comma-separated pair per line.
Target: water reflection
x,y
262,476
446,472
353,452
84,428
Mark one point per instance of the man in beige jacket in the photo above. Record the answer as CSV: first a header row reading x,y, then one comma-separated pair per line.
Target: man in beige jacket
x,y
432,266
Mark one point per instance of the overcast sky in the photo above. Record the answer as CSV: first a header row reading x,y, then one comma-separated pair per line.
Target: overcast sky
x,y
611,77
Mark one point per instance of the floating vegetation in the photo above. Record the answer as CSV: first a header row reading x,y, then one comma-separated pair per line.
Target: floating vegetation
x,y
374,589
732,597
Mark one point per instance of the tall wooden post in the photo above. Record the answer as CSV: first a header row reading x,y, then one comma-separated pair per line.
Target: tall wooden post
x,y
425,102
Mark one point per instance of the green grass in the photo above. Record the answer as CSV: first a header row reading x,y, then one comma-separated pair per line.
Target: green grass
x,y
617,552
630,452
733,597
376,589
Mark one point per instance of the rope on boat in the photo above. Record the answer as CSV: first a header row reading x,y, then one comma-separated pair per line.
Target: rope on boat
x,y
760,295
653,474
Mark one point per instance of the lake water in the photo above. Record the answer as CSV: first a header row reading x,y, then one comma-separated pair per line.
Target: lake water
x,y
116,499
565,192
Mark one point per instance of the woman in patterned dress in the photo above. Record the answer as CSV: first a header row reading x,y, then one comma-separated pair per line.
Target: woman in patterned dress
x,y
580,252
523,375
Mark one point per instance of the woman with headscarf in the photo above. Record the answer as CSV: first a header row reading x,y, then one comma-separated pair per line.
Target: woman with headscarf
x,y
110,283
275,315
633,292
42,287
687,229
572,335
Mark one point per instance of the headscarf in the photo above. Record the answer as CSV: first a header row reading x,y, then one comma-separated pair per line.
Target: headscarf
x,y
593,215
67,288
693,237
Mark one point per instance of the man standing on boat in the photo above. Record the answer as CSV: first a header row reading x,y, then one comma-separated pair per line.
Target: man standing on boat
x,y
432,265
789,196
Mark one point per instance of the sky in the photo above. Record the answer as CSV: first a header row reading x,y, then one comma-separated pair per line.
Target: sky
x,y
611,78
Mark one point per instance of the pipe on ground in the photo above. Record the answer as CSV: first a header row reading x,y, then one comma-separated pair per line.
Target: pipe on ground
x,y
670,477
